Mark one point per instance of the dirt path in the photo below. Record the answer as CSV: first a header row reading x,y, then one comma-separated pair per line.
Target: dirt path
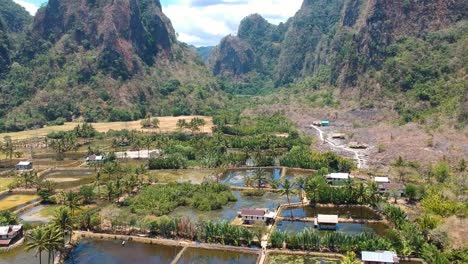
x,y
359,155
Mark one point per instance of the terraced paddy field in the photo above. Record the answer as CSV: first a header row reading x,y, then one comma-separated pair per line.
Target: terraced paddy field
x,y
298,259
16,201
66,179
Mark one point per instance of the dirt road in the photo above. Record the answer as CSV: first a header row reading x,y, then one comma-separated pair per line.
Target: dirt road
x,y
359,155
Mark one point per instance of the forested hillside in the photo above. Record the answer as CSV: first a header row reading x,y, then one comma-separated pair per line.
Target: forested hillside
x,y
99,60
375,50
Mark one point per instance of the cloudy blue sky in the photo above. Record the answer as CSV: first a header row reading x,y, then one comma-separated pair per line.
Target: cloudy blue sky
x,y
205,22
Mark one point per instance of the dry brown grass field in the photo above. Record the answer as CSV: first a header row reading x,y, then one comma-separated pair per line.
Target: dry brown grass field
x,y
167,124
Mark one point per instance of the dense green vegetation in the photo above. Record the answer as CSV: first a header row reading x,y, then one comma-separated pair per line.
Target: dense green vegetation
x,y
431,72
161,200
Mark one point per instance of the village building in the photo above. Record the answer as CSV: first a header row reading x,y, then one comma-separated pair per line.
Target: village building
x,y
326,222
95,159
392,189
379,257
10,234
24,166
138,154
325,123
338,177
380,180
250,216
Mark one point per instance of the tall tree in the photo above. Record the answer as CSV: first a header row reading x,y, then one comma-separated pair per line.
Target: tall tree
x,y
72,200
37,240
260,177
64,220
8,148
287,191
62,144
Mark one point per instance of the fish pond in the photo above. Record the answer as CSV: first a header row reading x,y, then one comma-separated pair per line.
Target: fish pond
x,y
194,176
19,255
269,200
346,228
205,256
104,251
237,177
354,212
16,201
299,259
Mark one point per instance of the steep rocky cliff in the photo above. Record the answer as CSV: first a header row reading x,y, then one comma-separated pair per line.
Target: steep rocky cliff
x,y
102,60
340,37
126,32
232,57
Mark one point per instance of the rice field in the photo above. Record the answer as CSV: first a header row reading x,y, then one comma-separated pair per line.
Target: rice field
x,y
11,201
4,182
166,123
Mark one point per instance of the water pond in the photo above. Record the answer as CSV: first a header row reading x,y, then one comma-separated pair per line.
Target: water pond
x,y
66,179
205,256
103,252
194,176
298,259
346,228
228,212
21,256
354,212
16,201
237,177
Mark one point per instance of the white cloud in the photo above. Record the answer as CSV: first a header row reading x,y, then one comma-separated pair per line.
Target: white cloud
x,y
205,22
31,8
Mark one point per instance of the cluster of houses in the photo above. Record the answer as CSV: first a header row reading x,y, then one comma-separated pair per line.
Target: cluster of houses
x,y
385,186
10,234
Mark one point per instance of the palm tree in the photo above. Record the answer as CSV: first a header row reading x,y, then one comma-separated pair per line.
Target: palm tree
x,y
300,184
37,240
287,190
72,200
259,177
312,187
64,220
54,241
110,190
361,195
98,182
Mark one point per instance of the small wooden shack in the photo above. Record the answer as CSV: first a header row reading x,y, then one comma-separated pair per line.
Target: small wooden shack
x,y
24,166
379,257
10,234
326,222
